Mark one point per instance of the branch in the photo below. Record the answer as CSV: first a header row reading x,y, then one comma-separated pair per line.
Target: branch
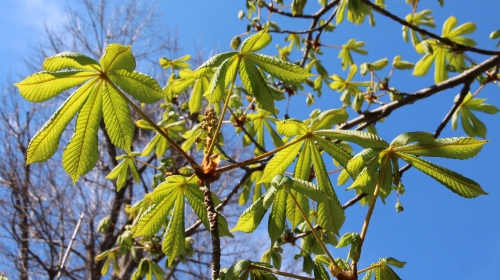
x,y
465,90
386,110
443,40
61,268
213,220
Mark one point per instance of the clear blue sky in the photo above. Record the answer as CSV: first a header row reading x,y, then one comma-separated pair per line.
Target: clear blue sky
x,y
440,235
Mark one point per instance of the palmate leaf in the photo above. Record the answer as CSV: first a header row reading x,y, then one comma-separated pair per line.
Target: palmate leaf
x,y
470,123
439,53
455,182
96,98
246,62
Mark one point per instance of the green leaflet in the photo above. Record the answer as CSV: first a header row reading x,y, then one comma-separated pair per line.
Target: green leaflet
x,y
121,171
117,57
385,177
251,218
455,182
117,118
74,60
354,240
330,214
81,155
405,138
241,271
280,162
276,222
155,216
282,70
164,189
173,242
214,61
218,85
366,180
274,136
383,271
200,86
302,171
304,162
255,83
43,86
195,198
310,190
364,139
334,150
256,42
142,87
328,118
291,127
44,144
359,161
458,148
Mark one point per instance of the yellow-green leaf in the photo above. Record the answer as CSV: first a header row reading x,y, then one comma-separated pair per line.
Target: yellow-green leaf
x,y
80,156
117,118
173,242
118,57
43,86
282,70
256,42
142,87
44,144
68,60
455,182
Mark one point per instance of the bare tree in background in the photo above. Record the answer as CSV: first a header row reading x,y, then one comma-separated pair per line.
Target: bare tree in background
x,y
41,206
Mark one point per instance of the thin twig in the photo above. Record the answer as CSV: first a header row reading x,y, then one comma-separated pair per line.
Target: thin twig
x,y
443,40
73,237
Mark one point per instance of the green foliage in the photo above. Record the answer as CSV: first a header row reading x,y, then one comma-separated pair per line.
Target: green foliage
x,y
470,123
99,96
383,270
303,205
443,56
